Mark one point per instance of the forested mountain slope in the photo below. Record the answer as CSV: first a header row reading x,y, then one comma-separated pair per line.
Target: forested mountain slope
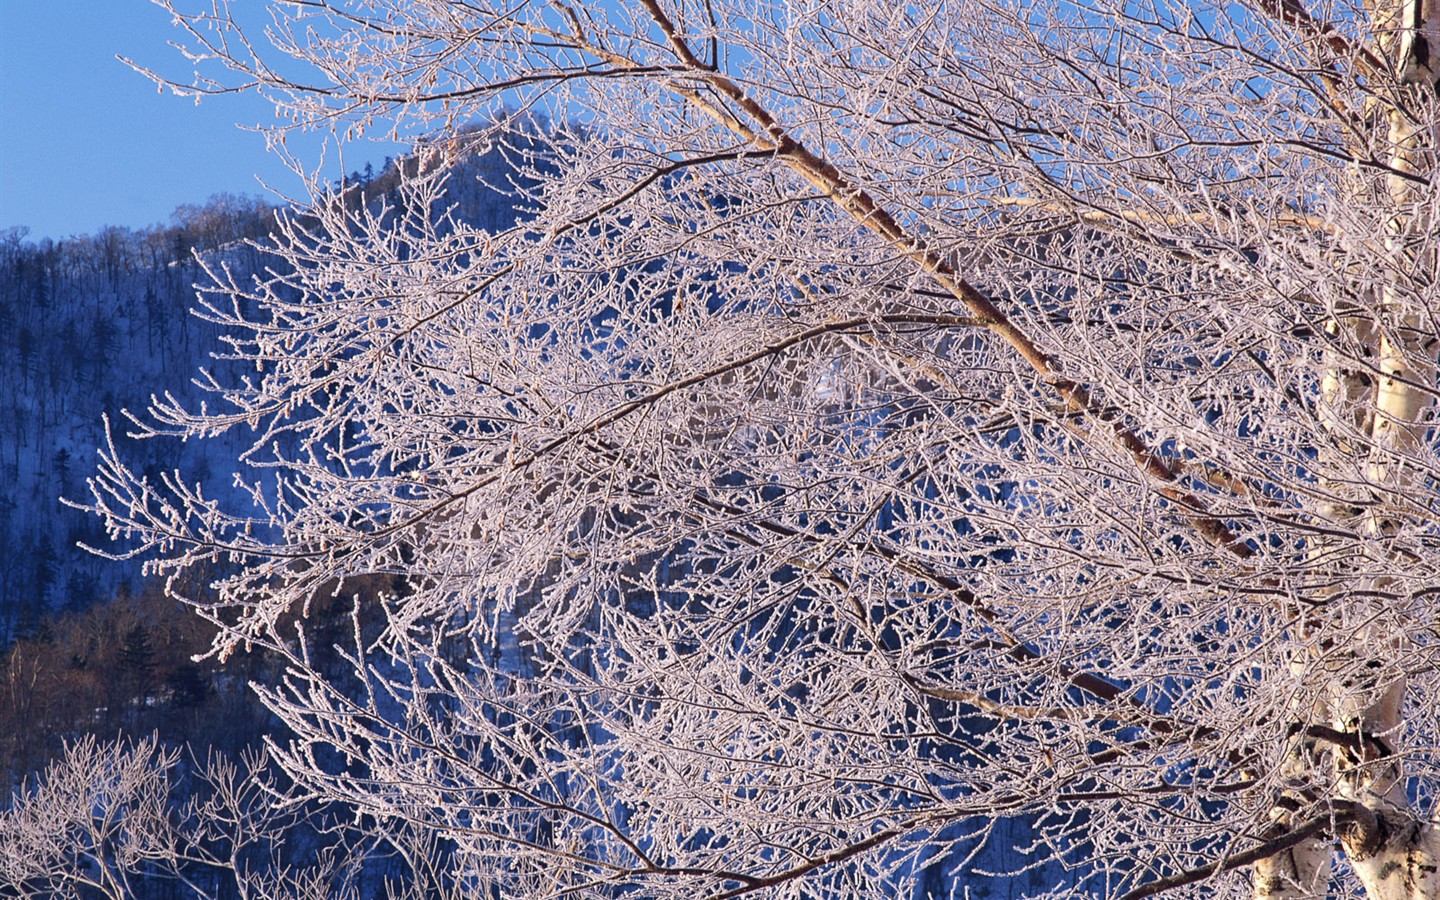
x,y
90,326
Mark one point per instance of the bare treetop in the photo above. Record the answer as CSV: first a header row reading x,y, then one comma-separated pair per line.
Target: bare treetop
x,y
890,436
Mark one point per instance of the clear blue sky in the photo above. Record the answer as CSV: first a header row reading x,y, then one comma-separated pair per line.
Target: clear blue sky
x,y
86,142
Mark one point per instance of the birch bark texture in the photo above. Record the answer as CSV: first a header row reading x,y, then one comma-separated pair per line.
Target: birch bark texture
x,y
888,430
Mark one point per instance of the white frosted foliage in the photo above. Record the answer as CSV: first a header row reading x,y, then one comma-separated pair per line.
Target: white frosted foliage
x,y
893,442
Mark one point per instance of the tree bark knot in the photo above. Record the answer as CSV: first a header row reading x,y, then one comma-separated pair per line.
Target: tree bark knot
x,y
1364,833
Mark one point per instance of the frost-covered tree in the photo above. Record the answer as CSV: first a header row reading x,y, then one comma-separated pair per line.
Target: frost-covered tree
x,y
102,821
886,429
121,821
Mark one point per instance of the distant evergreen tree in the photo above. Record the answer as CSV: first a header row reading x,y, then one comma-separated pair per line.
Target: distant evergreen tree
x,y
189,686
31,623
80,591
60,465
154,317
28,348
136,659
40,293
44,567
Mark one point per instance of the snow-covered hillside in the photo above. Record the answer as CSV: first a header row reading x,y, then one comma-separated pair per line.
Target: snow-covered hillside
x,y
89,327
94,325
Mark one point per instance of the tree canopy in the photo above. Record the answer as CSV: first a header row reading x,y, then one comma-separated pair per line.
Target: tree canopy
x,y
889,436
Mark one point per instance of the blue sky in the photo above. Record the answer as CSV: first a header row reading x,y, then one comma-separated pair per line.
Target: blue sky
x,y
86,142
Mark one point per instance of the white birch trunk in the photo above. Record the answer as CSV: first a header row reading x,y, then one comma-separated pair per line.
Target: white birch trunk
x,y
1395,854
1376,407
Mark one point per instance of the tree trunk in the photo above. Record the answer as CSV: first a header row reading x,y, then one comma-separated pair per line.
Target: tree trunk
x,y
1377,403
